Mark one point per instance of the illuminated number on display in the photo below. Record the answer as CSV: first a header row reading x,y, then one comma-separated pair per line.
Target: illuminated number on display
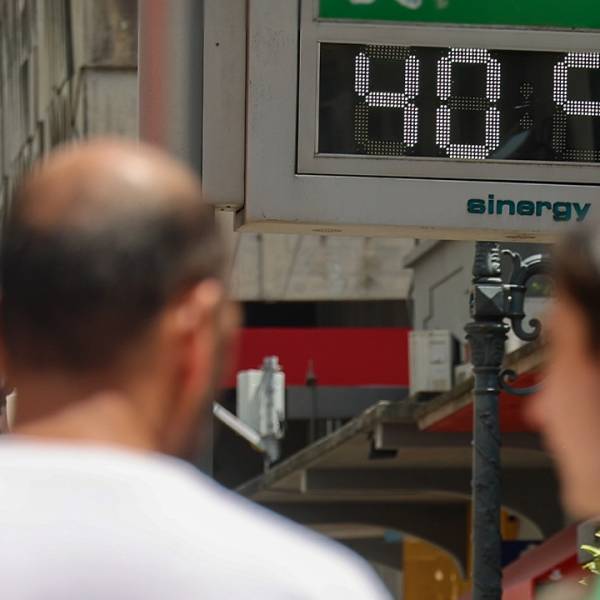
x,y
390,100
572,108
487,104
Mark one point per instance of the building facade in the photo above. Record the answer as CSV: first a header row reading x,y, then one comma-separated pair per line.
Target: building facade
x,y
67,71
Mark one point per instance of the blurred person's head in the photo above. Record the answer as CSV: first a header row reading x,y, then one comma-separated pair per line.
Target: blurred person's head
x,y
114,317
567,411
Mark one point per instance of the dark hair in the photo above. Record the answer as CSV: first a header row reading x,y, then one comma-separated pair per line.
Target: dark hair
x,y
577,273
74,297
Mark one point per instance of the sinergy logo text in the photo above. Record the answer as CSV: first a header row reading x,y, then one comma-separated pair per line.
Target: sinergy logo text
x,y
560,211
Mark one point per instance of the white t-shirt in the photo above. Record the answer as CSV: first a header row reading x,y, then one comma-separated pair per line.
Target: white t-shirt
x,y
90,523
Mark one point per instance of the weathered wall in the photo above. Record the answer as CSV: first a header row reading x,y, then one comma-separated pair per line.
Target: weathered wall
x,y
295,267
442,280
67,70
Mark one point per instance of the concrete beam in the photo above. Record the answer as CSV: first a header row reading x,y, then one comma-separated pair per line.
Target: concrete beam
x,y
533,493
372,480
390,436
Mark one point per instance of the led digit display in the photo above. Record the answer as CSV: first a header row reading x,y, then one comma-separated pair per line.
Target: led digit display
x,y
459,103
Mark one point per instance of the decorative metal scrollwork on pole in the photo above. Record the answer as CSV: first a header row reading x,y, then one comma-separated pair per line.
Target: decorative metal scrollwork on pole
x,y
516,290
492,303
523,271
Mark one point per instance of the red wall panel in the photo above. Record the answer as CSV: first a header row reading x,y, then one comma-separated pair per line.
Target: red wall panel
x,y
341,356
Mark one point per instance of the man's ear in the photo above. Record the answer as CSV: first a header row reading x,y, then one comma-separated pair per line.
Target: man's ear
x,y
195,333
198,307
190,333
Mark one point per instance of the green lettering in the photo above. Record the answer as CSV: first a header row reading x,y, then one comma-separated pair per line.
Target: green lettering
x,y
581,211
500,204
526,208
562,211
475,206
540,206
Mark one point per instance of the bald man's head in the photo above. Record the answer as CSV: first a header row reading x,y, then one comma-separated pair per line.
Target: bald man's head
x,y
100,237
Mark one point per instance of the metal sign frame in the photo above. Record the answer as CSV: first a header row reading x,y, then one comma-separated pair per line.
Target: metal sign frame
x,y
224,103
278,198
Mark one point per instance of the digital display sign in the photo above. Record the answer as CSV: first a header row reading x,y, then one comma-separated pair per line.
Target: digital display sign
x,y
461,120
458,103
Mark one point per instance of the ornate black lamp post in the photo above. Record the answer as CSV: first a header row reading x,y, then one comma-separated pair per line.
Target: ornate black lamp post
x,y
492,303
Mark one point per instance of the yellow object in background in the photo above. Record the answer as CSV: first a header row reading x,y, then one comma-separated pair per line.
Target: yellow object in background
x,y
430,573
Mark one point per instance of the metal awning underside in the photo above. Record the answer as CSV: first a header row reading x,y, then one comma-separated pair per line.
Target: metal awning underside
x,y
381,471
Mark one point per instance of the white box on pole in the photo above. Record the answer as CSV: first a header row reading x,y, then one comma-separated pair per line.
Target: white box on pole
x,y
431,361
253,407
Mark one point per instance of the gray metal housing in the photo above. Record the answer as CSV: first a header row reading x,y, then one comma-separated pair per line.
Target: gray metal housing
x,y
273,171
